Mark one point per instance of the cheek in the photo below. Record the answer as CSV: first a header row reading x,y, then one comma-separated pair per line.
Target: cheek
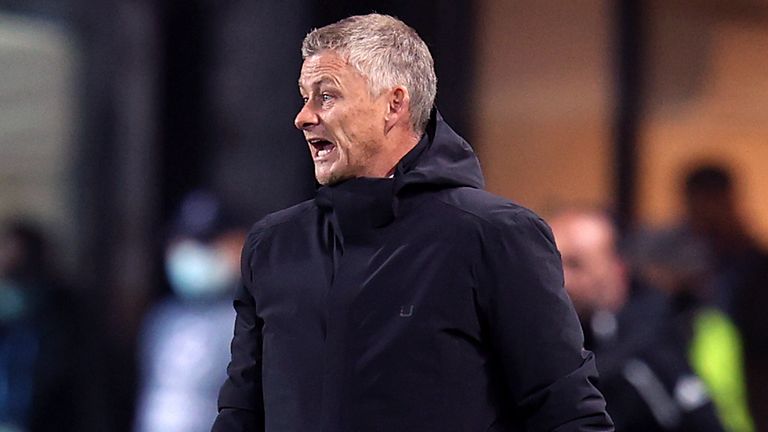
x,y
356,142
357,133
577,282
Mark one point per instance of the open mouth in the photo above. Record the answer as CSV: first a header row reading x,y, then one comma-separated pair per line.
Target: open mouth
x,y
321,147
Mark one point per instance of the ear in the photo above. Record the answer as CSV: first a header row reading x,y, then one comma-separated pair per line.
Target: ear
x,y
398,107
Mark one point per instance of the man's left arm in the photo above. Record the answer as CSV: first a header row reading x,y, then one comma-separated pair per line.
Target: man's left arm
x,y
534,331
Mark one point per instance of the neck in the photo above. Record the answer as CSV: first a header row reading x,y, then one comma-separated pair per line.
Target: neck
x,y
399,144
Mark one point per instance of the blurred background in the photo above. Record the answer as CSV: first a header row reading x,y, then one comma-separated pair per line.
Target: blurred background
x,y
113,111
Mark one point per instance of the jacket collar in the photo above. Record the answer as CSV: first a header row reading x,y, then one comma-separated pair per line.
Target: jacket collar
x,y
441,159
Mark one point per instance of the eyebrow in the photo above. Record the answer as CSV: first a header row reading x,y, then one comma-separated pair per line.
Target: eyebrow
x,y
324,79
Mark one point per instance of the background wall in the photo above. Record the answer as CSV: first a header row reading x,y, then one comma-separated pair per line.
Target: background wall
x,y
543,99
547,93
38,111
707,101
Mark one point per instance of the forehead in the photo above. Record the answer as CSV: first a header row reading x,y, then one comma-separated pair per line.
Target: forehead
x,y
579,233
326,66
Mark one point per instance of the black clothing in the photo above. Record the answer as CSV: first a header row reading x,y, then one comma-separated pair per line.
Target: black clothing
x,y
745,277
417,303
644,374
39,353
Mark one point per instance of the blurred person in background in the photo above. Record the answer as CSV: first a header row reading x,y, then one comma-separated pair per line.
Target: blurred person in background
x,y
713,215
184,345
681,266
644,375
717,274
38,346
403,297
740,270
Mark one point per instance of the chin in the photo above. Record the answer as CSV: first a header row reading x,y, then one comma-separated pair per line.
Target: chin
x,y
331,178
326,179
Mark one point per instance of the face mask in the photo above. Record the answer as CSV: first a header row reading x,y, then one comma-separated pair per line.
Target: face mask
x,y
13,304
197,271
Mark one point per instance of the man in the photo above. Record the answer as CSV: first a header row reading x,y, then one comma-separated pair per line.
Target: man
x,y
644,374
403,297
715,215
719,292
184,341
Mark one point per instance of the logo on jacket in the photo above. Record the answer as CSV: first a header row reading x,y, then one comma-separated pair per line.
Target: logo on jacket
x,y
406,311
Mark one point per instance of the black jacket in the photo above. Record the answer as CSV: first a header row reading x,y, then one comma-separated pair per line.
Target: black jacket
x,y
644,373
418,303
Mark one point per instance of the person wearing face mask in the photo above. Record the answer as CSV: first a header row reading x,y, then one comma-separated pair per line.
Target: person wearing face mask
x,y
40,345
184,343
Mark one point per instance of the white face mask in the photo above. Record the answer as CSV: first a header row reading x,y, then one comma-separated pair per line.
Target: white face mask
x,y
197,271
14,304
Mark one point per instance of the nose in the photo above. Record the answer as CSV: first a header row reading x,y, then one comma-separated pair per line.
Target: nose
x,y
306,117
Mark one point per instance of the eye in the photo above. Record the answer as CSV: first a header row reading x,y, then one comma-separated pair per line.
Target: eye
x,y
326,97
304,99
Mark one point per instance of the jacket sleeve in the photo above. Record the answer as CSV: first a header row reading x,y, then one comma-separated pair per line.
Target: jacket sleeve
x,y
535,335
241,404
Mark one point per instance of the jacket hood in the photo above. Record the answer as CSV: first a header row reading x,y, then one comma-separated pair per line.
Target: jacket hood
x,y
441,159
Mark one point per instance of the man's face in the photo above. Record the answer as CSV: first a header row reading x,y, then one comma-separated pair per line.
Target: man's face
x,y
591,267
342,122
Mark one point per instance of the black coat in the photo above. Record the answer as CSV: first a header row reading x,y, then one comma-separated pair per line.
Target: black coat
x,y
418,303
644,373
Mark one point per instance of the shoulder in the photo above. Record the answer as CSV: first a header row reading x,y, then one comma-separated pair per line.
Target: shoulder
x,y
287,215
493,212
279,221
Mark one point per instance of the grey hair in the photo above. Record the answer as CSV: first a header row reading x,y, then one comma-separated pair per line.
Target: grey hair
x,y
387,52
